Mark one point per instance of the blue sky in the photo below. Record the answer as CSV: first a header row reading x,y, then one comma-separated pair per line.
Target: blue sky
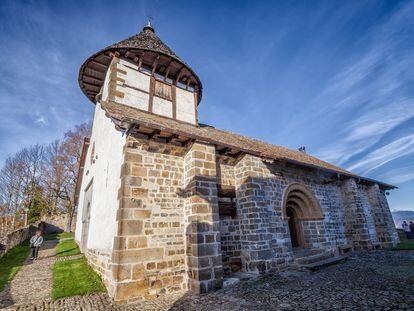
x,y
335,76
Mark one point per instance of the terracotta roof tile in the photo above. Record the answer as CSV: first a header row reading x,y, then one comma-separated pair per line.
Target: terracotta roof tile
x,y
213,135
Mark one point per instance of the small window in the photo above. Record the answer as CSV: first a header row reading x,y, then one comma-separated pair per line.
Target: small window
x,y
93,153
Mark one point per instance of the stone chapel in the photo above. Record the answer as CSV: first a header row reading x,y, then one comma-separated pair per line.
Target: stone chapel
x,y
165,203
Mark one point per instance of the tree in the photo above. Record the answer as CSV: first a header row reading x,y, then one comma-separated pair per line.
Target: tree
x,y
42,179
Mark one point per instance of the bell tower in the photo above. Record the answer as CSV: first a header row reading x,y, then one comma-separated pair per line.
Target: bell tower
x,y
144,73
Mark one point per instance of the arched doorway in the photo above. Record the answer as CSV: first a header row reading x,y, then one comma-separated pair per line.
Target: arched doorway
x,y
294,226
299,205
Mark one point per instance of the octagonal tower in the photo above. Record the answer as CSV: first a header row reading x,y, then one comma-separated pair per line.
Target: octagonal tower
x,y
144,73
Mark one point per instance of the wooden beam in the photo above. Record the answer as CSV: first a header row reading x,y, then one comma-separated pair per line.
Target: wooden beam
x,y
91,77
154,64
151,93
188,82
179,75
171,138
91,86
93,72
99,64
224,151
167,71
153,134
196,107
139,60
174,101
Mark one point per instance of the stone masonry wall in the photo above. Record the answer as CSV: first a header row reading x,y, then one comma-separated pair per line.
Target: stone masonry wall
x,y
100,261
149,251
265,238
265,244
171,237
382,218
359,227
229,227
204,260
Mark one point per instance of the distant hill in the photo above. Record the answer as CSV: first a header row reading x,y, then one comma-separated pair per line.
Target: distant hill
x,y
399,216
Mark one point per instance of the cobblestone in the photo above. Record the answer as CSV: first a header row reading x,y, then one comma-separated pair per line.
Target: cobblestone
x,y
34,280
381,280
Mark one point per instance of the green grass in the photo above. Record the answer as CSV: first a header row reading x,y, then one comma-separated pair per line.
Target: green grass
x,y
404,244
67,248
75,277
59,236
12,261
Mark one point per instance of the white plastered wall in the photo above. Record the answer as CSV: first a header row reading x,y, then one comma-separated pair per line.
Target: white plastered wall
x,y
185,106
162,107
104,172
126,85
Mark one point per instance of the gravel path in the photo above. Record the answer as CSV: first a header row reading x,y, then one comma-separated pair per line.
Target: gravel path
x,y
34,280
381,280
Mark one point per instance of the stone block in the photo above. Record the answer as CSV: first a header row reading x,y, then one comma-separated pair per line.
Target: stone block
x,y
137,256
130,227
139,171
142,214
125,291
138,271
139,192
133,157
136,242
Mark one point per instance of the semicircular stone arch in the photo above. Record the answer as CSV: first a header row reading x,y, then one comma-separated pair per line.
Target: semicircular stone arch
x,y
304,202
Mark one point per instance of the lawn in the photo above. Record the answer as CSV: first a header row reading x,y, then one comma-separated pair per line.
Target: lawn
x,y
75,277
64,235
404,244
67,247
12,261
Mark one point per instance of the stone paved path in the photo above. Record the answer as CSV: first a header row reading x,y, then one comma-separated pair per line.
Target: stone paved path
x,y
382,280
34,280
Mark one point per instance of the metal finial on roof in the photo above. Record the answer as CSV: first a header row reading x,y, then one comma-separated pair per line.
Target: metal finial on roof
x,y
148,26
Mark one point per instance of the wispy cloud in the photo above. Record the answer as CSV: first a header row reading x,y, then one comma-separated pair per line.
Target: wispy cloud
x,y
375,95
392,151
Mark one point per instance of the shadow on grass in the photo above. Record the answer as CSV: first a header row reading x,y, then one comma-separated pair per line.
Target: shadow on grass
x,y
10,264
70,251
67,247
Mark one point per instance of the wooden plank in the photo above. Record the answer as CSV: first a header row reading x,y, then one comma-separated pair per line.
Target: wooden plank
x,y
174,101
154,65
99,64
94,73
151,94
167,71
196,107
92,87
154,134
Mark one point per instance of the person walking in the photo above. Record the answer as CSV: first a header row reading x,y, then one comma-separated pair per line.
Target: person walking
x,y
406,229
411,226
35,243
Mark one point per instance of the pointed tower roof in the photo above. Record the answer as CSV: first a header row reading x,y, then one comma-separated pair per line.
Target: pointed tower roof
x,y
147,50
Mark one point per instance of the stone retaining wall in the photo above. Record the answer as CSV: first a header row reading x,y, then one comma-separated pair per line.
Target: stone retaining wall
x,y
15,238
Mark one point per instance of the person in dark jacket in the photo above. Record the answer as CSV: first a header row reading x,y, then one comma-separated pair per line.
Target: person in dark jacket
x,y
411,226
35,243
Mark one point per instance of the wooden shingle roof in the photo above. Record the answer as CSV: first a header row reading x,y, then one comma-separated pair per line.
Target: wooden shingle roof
x,y
148,51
